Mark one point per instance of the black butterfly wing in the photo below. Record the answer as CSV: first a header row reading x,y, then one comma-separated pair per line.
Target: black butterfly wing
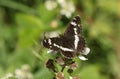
x,y
74,25
71,43
74,32
81,45
52,43
62,44
68,47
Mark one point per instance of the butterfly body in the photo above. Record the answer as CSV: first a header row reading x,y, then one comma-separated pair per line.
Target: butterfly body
x,y
71,43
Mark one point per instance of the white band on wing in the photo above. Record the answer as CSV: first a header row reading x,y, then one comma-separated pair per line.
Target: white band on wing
x,y
63,48
66,49
73,23
76,38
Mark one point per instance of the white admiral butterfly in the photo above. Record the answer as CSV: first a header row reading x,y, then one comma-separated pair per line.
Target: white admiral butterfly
x,y
71,43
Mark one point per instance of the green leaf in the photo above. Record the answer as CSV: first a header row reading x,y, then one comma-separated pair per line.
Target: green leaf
x,y
100,26
110,6
30,27
17,6
91,72
46,15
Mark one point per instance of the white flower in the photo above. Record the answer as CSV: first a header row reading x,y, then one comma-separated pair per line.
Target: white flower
x,y
61,2
67,9
50,4
82,58
23,73
70,77
84,52
7,76
18,73
52,34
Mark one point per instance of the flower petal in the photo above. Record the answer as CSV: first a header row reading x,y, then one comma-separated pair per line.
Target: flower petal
x,y
83,58
50,5
86,51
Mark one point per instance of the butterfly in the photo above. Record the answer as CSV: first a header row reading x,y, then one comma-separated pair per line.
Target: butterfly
x,y
71,43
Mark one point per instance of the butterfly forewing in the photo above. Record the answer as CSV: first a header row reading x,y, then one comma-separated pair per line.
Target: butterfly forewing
x,y
73,27
52,43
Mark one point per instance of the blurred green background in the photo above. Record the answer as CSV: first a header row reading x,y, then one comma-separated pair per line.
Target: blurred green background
x,y
23,23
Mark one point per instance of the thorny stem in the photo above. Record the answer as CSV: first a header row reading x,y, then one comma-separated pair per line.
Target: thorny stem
x,y
65,64
63,68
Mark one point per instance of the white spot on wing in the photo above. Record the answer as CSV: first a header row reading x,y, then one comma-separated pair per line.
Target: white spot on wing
x,y
49,41
56,45
45,41
73,23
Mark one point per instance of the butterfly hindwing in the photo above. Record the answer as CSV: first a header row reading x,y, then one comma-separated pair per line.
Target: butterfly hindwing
x,y
81,44
68,54
69,43
66,47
